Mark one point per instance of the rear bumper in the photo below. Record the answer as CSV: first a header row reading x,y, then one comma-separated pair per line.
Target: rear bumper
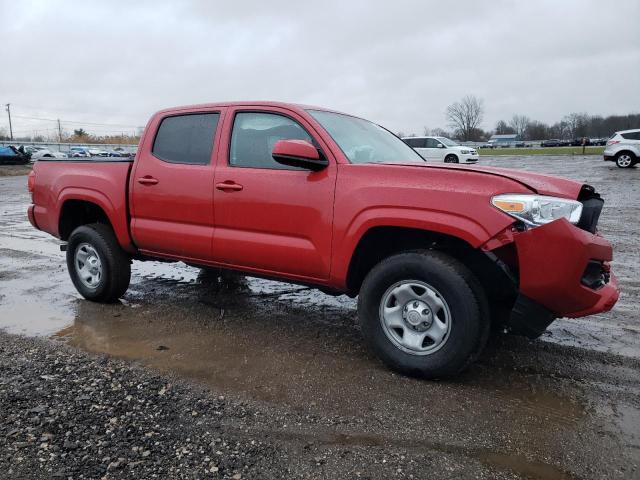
x,y
553,261
609,158
32,217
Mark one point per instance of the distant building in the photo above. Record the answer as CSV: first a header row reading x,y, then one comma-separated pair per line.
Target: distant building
x,y
504,140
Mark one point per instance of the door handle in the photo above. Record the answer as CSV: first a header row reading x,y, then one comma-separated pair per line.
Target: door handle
x,y
229,185
147,180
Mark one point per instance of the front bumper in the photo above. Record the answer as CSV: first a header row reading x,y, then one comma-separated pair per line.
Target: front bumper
x,y
469,158
553,262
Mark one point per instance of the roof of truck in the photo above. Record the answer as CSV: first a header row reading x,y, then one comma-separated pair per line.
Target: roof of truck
x,y
261,103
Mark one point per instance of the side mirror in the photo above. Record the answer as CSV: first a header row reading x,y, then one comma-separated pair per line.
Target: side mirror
x,y
298,153
440,145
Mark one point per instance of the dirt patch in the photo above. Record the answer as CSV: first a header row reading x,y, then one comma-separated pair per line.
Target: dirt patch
x,y
14,170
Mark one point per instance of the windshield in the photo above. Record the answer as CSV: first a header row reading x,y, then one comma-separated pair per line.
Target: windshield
x,y
363,141
447,142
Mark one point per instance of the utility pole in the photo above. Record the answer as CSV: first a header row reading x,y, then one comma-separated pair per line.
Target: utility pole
x,y
59,132
10,126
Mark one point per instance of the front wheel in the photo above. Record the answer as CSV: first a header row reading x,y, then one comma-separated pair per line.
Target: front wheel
x,y
423,313
451,159
625,160
99,268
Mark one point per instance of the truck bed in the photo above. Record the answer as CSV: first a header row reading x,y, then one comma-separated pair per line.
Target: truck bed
x,y
100,180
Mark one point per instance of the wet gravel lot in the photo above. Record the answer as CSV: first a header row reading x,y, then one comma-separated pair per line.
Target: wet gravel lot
x,y
193,377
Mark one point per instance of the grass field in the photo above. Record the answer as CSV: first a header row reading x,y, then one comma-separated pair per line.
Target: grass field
x,y
541,151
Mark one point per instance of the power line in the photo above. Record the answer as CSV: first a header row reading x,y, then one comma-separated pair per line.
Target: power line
x,y
77,122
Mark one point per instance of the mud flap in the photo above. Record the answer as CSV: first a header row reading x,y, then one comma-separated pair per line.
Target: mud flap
x,y
529,318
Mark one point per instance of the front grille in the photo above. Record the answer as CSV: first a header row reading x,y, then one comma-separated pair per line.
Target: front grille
x,y
591,208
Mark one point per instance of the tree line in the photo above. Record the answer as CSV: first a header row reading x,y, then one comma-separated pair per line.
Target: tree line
x,y
465,119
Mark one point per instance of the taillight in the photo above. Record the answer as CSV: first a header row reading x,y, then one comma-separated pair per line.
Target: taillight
x,y
613,142
31,181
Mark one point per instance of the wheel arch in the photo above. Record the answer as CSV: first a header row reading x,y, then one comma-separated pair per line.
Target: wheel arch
x,y
627,151
380,242
81,207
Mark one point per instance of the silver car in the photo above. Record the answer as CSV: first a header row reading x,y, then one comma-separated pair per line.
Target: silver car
x,y
624,148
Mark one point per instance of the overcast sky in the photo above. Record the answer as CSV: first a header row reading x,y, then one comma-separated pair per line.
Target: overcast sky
x,y
398,63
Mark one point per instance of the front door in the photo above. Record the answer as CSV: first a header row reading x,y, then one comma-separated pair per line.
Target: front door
x,y
435,153
172,187
271,218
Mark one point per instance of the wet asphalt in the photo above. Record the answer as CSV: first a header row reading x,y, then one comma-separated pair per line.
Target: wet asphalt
x,y
564,406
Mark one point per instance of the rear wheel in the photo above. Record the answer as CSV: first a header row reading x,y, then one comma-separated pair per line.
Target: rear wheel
x,y
625,160
99,268
423,313
451,158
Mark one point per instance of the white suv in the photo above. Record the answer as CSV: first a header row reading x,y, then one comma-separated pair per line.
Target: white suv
x,y
624,148
441,149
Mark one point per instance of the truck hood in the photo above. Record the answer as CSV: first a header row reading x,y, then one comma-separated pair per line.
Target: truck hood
x,y
538,182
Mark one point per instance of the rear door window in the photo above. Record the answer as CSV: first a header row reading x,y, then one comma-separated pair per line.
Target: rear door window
x,y
186,138
415,142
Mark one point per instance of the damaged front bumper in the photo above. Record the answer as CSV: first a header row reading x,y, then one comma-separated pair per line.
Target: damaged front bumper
x,y
563,271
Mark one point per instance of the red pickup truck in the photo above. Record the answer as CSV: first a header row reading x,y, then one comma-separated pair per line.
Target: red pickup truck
x,y
437,254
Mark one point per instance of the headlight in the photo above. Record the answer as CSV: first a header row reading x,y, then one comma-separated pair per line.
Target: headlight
x,y
465,152
535,210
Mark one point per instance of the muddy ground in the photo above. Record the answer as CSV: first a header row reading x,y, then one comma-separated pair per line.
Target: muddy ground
x,y
270,380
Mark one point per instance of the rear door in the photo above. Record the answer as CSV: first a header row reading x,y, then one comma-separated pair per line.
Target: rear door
x,y
271,217
172,186
418,144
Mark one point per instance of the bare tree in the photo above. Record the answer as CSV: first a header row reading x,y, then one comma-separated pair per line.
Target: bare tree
x,y
439,132
503,128
425,130
519,123
465,116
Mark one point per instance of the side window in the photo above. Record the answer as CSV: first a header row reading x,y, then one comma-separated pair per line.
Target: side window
x,y
432,143
631,136
186,138
415,142
254,135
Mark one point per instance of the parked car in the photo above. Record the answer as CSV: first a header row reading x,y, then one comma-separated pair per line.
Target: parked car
x,y
624,148
577,142
97,152
11,155
554,142
46,153
441,149
435,253
79,152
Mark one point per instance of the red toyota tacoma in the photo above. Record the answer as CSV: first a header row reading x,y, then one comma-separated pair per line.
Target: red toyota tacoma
x,y
437,254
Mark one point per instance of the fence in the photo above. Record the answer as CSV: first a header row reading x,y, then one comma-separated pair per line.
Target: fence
x,y
66,147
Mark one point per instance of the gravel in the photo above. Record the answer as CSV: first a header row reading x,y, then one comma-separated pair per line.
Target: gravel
x,y
68,415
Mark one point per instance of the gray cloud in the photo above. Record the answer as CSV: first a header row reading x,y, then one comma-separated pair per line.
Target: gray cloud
x,y
398,63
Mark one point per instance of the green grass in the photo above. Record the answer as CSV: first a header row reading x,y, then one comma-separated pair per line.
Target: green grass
x,y
541,151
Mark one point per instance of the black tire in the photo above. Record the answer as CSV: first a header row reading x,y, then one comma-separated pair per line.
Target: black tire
x,y
115,263
625,159
451,158
470,320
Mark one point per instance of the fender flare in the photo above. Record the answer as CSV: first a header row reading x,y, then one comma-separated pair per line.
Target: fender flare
x,y
98,198
461,227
